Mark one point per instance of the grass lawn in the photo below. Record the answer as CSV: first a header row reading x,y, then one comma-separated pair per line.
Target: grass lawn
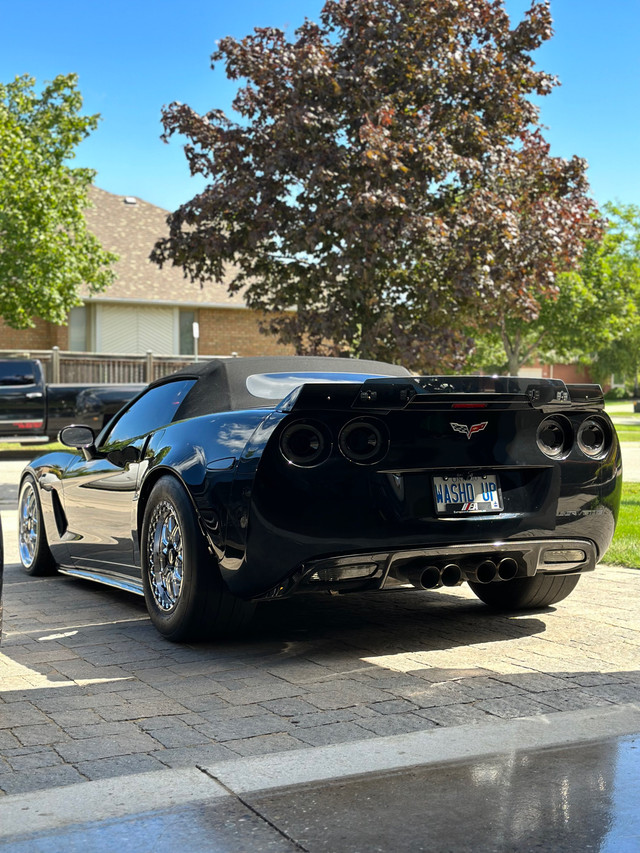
x,y
625,549
621,408
628,433
35,449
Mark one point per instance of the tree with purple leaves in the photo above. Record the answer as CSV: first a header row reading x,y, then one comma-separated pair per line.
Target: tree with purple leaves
x,y
385,184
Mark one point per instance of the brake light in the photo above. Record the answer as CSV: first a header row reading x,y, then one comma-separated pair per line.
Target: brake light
x,y
469,406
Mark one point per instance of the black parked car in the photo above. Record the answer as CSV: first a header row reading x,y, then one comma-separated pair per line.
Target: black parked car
x,y
247,480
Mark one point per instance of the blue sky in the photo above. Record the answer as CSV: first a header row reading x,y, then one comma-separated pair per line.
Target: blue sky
x,y
133,56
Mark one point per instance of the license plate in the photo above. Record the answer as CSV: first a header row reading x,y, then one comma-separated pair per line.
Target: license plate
x,y
459,495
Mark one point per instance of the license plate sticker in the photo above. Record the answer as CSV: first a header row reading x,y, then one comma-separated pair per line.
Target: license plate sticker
x,y
467,495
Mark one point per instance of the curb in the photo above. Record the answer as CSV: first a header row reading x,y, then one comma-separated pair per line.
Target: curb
x,y
54,808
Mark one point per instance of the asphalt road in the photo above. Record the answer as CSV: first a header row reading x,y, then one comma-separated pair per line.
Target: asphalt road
x,y
106,726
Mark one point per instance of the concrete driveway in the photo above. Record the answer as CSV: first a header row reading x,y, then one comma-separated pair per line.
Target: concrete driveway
x,y
93,696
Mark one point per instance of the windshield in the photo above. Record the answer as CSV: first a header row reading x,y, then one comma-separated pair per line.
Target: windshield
x,y
276,386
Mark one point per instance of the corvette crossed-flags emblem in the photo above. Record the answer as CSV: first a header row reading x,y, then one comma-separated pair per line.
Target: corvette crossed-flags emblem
x,y
469,431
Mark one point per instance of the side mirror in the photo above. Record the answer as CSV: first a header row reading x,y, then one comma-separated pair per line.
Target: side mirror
x,y
80,437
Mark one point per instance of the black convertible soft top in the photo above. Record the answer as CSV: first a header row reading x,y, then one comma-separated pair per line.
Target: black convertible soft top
x,y
222,383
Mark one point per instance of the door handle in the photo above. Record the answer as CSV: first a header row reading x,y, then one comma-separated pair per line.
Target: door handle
x,y
33,395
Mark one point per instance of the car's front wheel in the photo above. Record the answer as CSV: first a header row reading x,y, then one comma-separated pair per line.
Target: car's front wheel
x,y
184,592
33,547
526,593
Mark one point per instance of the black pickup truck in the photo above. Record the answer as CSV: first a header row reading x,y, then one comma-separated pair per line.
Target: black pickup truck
x,y
29,407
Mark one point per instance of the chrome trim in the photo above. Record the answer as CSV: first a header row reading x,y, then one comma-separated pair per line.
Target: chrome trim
x,y
126,585
37,422
529,550
165,556
29,524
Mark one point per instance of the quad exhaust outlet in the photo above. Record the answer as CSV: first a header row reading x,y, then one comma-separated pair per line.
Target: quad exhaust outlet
x,y
425,575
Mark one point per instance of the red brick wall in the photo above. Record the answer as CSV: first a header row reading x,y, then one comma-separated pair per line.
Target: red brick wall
x,y
223,331
42,336
571,373
566,372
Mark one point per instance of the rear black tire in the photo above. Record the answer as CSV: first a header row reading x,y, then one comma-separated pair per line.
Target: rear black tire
x,y
183,589
33,547
526,593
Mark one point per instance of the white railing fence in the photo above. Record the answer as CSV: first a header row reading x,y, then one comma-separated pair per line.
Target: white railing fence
x,y
97,368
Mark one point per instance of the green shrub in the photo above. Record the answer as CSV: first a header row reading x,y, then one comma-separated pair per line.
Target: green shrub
x,y
616,393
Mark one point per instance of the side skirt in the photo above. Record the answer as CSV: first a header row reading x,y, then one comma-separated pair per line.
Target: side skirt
x,y
128,584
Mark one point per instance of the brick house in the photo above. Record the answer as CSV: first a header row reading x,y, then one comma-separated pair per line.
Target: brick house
x,y
153,309
146,308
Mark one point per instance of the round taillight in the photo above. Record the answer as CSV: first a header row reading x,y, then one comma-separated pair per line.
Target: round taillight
x,y
305,443
554,437
593,438
364,441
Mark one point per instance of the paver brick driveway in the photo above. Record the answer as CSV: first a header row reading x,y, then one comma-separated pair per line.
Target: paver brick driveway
x,y
90,690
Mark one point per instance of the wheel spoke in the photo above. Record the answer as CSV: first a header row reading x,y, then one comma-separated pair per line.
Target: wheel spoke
x,y
165,556
28,526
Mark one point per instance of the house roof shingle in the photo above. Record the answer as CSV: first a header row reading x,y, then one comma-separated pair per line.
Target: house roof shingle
x,y
130,227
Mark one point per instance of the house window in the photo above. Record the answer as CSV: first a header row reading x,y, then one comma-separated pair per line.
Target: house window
x,y
78,329
187,319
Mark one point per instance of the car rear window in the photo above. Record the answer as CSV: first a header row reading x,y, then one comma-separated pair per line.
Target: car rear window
x,y
276,386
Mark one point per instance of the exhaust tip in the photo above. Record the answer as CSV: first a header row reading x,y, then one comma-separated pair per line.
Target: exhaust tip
x,y
451,575
486,571
430,578
507,568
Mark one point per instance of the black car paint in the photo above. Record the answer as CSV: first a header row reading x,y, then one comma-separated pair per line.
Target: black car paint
x,y
343,508
270,523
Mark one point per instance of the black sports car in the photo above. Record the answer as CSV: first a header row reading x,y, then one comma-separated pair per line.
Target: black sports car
x,y
241,480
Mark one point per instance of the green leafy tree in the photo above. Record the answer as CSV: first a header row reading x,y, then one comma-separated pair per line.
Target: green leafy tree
x,y
369,182
592,316
616,271
46,251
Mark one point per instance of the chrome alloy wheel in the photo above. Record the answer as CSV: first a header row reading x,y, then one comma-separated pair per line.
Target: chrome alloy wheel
x,y
28,525
165,554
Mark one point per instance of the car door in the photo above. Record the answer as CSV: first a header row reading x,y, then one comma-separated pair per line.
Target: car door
x,y
100,493
22,399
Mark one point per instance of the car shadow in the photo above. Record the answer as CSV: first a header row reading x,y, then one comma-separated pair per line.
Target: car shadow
x,y
413,620
409,620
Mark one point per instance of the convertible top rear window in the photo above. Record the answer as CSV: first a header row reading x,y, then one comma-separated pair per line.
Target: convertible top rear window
x,y
277,386
222,385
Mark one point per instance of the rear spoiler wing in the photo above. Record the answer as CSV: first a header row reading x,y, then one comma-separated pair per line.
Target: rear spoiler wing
x,y
389,393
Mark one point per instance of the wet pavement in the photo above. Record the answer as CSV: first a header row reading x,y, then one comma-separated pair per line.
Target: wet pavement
x,y
577,798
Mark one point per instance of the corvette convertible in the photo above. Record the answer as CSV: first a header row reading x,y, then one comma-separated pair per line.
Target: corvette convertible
x,y
249,479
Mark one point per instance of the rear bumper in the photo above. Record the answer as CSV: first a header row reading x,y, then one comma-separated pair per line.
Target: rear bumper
x,y
450,565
